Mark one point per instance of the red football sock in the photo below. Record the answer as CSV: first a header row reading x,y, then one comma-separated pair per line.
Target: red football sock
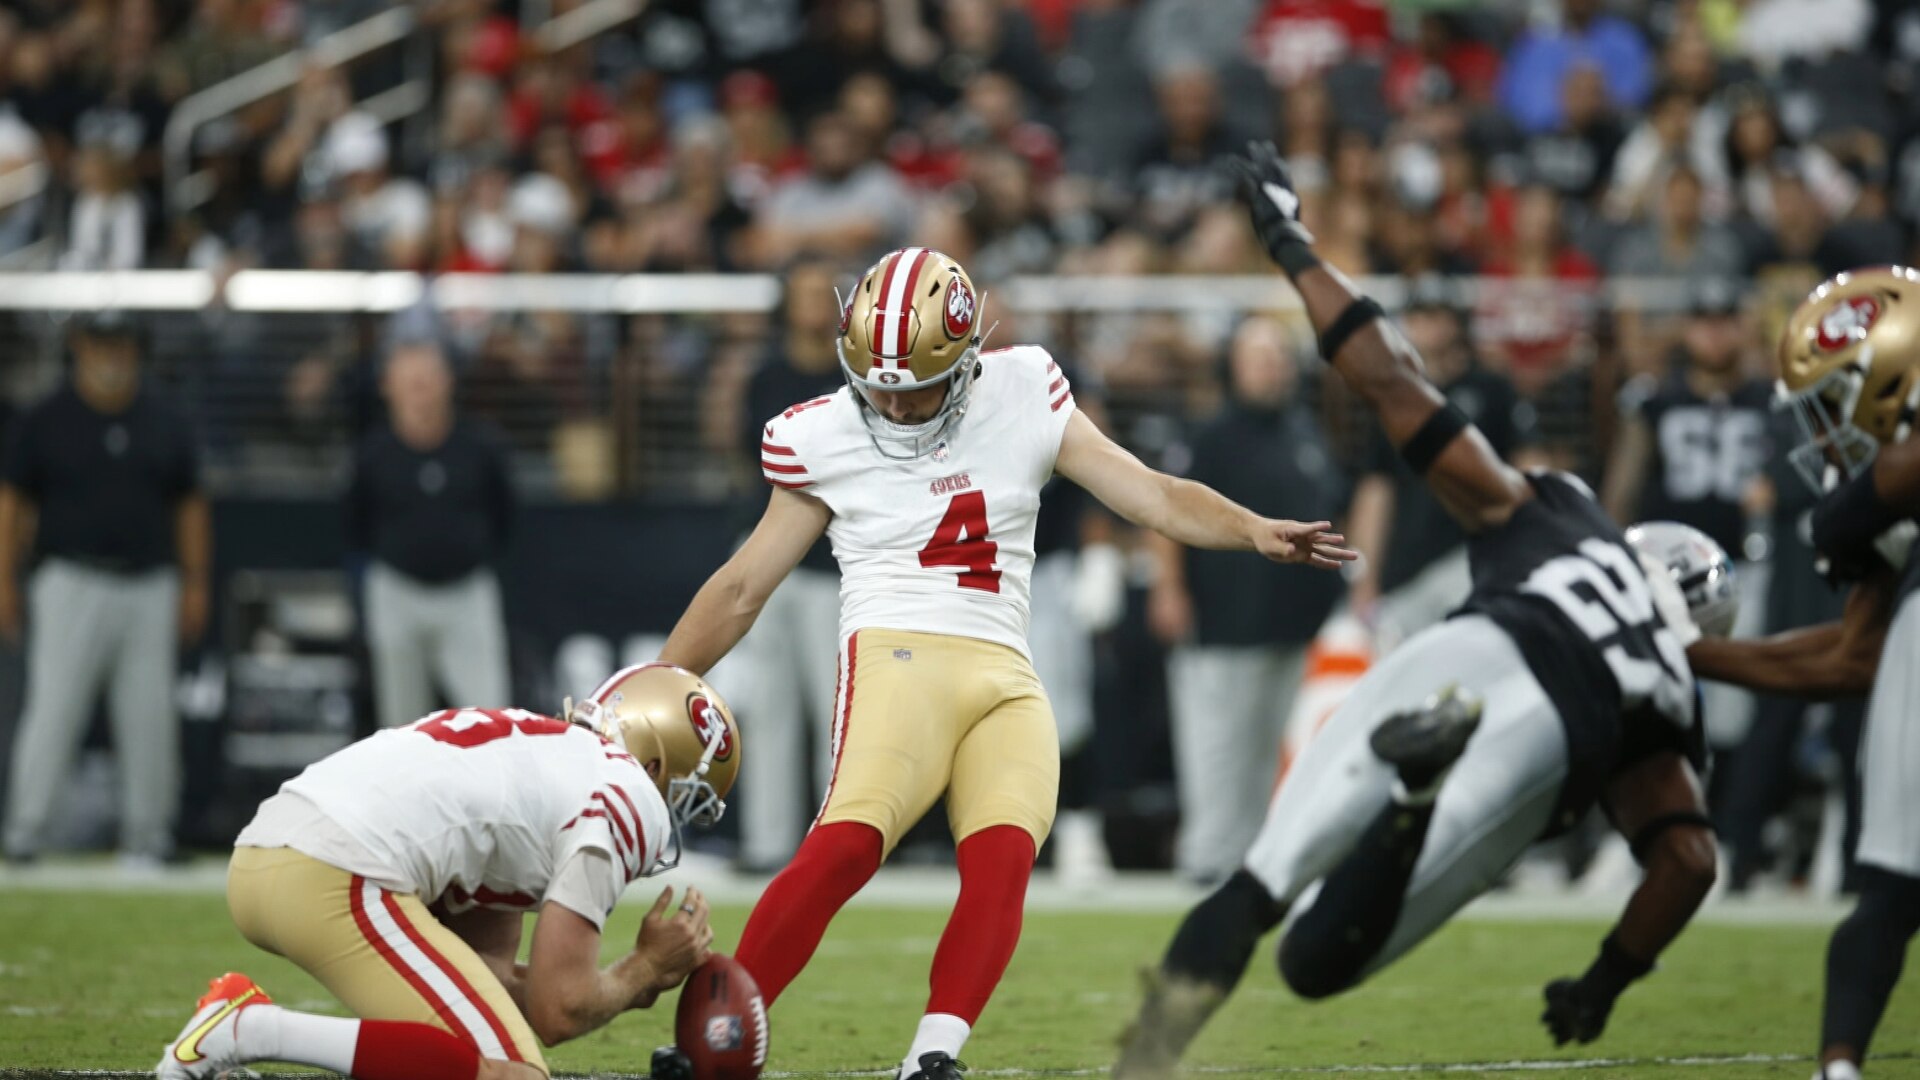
x,y
400,1050
833,862
995,865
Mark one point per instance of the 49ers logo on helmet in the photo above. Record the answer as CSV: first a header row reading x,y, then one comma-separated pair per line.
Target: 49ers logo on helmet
x,y
707,722
959,308
1847,323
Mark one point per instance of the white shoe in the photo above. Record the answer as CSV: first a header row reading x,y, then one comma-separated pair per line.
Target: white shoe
x,y
1838,1070
209,1045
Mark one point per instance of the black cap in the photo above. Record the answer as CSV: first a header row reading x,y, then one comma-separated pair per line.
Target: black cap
x,y
108,323
1714,296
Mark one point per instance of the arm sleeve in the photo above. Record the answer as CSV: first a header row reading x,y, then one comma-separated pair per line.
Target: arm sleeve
x,y
587,884
358,506
500,502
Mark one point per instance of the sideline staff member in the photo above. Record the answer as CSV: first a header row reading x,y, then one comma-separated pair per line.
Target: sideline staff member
x,y
107,475
431,502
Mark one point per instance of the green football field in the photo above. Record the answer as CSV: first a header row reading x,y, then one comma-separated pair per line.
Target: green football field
x,y
92,981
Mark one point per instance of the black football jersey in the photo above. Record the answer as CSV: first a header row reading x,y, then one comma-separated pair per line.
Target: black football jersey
x,y
1705,452
1559,578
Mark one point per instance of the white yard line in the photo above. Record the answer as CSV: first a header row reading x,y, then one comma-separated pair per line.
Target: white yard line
x,y
924,887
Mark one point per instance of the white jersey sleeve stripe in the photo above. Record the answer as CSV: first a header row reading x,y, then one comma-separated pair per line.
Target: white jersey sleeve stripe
x,y
426,976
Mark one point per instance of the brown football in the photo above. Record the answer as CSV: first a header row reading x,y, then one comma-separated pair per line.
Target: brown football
x,y
722,1024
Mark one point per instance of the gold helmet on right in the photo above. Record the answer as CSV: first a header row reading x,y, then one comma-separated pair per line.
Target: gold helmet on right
x,y
1850,370
680,732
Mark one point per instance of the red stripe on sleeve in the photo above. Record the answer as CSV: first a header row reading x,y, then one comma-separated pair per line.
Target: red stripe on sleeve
x,y
785,468
1063,399
790,487
1057,384
623,836
639,824
767,447
453,973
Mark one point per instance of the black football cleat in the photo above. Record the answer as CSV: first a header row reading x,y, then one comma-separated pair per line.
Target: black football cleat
x,y
938,1065
1423,743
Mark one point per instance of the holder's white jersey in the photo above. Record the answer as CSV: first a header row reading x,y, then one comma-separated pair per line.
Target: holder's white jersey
x,y
474,808
941,544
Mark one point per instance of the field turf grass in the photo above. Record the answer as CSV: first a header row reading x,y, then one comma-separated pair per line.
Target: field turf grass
x,y
95,981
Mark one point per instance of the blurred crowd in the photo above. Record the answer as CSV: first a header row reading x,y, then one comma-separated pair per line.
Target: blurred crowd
x,y
1598,213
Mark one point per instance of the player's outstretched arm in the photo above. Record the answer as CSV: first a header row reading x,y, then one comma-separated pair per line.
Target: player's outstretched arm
x,y
1658,806
1181,510
1469,479
725,607
1831,660
569,994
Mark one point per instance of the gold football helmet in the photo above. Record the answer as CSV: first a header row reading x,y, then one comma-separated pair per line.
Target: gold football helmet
x,y
679,730
1850,370
912,322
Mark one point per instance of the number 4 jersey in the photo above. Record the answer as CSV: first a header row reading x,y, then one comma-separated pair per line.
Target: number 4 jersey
x,y
943,543
477,808
1559,578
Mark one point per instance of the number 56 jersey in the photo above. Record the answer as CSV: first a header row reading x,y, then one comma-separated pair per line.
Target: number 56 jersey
x,y
943,543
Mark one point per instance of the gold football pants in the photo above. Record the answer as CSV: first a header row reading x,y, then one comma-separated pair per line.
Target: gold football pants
x,y
922,715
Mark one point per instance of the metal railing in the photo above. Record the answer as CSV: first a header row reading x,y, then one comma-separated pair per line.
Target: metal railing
x,y
186,189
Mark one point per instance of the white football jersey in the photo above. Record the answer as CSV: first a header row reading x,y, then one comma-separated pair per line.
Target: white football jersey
x,y
479,808
941,544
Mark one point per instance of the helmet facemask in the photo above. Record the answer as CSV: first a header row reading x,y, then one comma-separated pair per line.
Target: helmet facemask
x,y
906,442
1835,449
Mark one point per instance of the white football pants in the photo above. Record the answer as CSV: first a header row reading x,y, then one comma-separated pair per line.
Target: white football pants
x,y
1497,800
1890,752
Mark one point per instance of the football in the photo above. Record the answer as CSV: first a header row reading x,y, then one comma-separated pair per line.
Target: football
x,y
721,1025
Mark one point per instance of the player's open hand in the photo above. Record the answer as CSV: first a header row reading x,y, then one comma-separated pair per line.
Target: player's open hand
x,y
1307,542
674,941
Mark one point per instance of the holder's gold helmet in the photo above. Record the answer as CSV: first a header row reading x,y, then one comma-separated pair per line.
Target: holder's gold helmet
x,y
679,730
912,322
1850,370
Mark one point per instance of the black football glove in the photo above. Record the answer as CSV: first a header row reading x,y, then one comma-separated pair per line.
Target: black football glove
x,y
670,1063
1577,1010
1267,186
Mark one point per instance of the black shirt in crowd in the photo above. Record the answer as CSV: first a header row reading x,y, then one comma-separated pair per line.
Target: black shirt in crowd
x,y
1422,530
775,387
1275,463
434,515
105,485
1705,452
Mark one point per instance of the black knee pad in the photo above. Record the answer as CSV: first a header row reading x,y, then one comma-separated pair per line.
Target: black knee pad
x,y
1311,969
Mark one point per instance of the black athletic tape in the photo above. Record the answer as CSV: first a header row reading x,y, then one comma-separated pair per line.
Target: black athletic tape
x,y
1434,436
1351,321
1651,830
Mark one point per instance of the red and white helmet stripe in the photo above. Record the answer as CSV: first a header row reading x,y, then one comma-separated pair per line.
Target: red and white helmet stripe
x,y
891,316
